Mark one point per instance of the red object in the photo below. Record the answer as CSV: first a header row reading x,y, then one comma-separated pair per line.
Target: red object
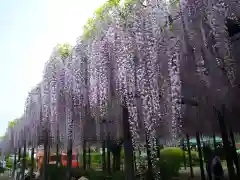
x,y
74,163
53,159
238,145
74,160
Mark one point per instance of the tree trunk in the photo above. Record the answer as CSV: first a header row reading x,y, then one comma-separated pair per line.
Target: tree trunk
x,y
214,143
189,156
32,164
184,155
57,155
226,144
69,159
15,162
45,145
103,156
150,168
84,154
57,148
116,151
128,148
89,157
77,159
158,148
19,154
200,156
113,163
235,156
49,154
24,159
108,155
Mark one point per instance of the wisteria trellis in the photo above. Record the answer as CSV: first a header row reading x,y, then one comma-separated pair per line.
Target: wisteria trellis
x,y
137,62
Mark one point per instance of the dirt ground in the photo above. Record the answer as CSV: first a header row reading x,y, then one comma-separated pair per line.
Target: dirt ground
x,y
185,174
5,176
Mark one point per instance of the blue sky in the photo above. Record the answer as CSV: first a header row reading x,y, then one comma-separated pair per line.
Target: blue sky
x,y
29,29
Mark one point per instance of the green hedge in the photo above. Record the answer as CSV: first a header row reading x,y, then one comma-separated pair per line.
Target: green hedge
x,y
170,161
96,157
9,162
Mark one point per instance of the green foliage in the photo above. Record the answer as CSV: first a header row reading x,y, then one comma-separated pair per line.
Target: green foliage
x,y
96,175
122,153
170,162
1,170
64,49
55,172
12,123
195,158
176,3
90,27
100,175
96,157
119,175
9,163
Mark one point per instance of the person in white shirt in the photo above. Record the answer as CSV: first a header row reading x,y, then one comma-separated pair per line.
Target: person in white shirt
x,y
4,164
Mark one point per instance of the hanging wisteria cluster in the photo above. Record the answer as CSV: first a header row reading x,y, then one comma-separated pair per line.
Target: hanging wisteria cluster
x,y
148,62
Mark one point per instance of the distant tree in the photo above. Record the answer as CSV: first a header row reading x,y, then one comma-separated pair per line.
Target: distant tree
x,y
12,123
64,49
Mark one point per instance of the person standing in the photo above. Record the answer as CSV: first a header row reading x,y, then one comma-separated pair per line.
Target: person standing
x,y
217,169
208,156
4,164
208,169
